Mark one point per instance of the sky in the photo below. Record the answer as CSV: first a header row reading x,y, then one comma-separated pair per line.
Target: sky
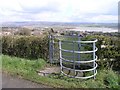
x,y
94,11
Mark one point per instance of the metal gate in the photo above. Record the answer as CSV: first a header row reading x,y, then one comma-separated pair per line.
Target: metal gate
x,y
77,58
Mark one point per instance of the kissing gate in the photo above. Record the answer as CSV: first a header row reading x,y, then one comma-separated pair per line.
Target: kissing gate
x,y
77,57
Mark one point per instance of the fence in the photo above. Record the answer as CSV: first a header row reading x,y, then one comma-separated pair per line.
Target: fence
x,y
77,58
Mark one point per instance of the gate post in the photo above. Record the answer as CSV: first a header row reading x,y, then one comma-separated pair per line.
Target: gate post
x,y
79,46
94,58
50,59
51,48
60,55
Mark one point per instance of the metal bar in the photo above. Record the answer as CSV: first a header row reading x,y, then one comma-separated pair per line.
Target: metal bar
x,y
66,60
87,41
60,54
80,41
86,70
94,58
51,49
50,46
79,46
80,51
87,77
74,58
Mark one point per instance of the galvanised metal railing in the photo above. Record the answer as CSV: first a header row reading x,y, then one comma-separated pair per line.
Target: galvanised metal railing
x,y
71,62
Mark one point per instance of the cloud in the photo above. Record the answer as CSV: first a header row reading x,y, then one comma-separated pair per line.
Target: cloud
x,y
103,18
48,7
59,10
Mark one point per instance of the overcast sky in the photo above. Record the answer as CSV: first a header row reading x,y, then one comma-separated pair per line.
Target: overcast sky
x,y
97,11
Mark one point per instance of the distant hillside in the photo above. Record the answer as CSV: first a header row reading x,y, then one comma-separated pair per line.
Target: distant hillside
x,y
39,23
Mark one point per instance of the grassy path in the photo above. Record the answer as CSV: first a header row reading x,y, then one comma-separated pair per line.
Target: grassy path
x,y
27,69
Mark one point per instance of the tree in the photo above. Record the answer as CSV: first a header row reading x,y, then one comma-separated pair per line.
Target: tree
x,y
24,31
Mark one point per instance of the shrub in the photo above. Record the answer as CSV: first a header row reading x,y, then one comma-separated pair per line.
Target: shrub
x,y
25,46
109,56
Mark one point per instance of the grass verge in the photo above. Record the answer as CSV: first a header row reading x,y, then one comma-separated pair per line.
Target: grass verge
x,y
27,70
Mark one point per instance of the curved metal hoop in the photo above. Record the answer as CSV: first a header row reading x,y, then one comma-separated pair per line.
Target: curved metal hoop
x,y
86,77
79,51
71,61
87,70
74,62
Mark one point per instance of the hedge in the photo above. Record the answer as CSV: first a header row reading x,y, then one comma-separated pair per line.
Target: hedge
x,y
112,51
37,47
25,46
